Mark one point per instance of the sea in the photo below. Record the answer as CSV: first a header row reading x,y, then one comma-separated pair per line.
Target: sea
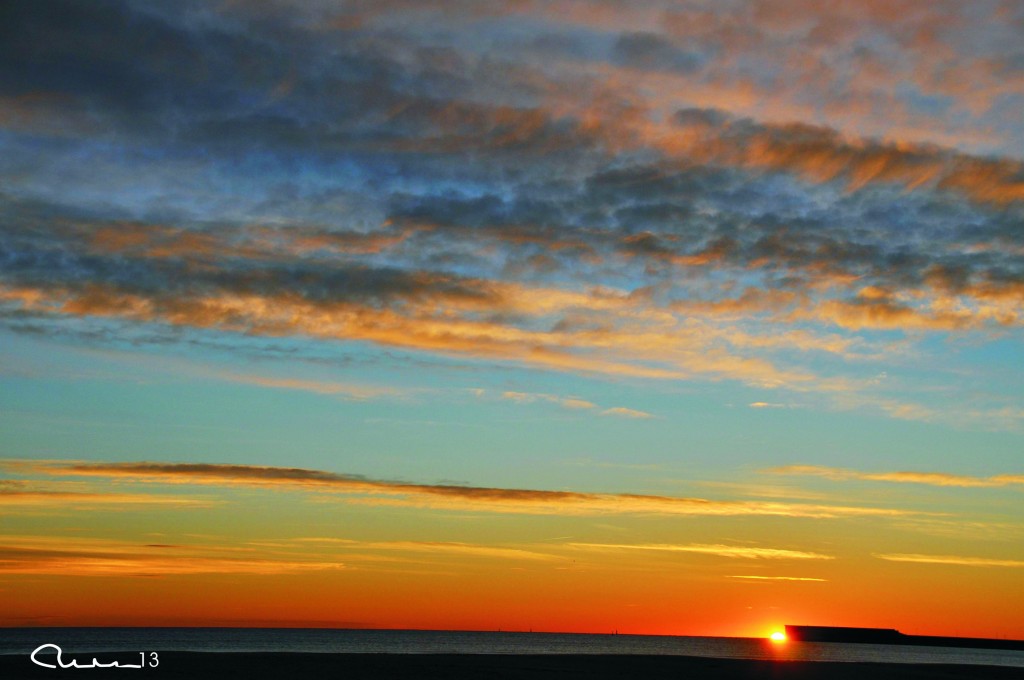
x,y
18,641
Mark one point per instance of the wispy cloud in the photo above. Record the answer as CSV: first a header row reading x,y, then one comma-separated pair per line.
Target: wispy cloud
x,y
952,529
439,547
955,560
351,391
624,412
905,477
178,367
362,490
443,321
589,462
781,578
76,556
530,397
574,403
70,564
82,500
731,551
16,494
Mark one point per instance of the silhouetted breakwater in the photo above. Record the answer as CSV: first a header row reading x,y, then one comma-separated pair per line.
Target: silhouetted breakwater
x,y
891,636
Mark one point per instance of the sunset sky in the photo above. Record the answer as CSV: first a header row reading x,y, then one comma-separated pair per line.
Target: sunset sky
x,y
696,317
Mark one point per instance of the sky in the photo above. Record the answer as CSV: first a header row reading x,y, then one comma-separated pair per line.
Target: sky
x,y
698,317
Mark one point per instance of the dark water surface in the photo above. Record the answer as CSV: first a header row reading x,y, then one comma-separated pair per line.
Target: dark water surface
x,y
85,640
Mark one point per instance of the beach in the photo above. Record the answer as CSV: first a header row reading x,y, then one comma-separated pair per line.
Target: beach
x,y
225,666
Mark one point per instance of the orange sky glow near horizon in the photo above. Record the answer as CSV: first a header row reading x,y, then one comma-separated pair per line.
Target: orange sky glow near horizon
x,y
283,555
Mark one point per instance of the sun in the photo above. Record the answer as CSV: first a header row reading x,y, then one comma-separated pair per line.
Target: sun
x,y
778,636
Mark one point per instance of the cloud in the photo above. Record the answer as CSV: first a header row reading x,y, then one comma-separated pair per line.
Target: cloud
x,y
994,416
624,412
237,287
822,154
20,494
616,190
59,499
255,243
361,490
781,578
731,551
648,202
907,477
954,560
949,529
530,397
85,557
444,321
439,547
354,392
648,51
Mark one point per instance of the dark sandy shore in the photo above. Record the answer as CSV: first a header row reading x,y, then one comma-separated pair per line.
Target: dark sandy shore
x,y
227,666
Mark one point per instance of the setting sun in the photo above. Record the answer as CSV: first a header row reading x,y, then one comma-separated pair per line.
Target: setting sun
x,y
778,636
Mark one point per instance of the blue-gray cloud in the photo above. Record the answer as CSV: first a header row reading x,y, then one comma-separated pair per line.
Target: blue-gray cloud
x,y
276,170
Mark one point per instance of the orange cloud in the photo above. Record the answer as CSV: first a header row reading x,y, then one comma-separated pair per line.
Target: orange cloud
x,y
929,478
360,490
642,342
452,548
955,560
780,578
158,241
945,315
507,322
731,551
84,557
82,500
16,494
821,154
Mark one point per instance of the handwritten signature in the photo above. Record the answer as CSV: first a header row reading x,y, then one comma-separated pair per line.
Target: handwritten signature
x,y
153,662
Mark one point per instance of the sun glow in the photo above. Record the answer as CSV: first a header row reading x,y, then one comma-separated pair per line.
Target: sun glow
x,y
777,636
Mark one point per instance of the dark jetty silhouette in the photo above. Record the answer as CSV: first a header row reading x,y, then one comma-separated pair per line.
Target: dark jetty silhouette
x,y
891,636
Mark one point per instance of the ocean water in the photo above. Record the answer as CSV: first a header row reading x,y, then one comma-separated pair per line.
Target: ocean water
x,y
88,640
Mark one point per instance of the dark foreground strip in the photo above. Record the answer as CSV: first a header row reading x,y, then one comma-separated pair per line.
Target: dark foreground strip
x,y
228,666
